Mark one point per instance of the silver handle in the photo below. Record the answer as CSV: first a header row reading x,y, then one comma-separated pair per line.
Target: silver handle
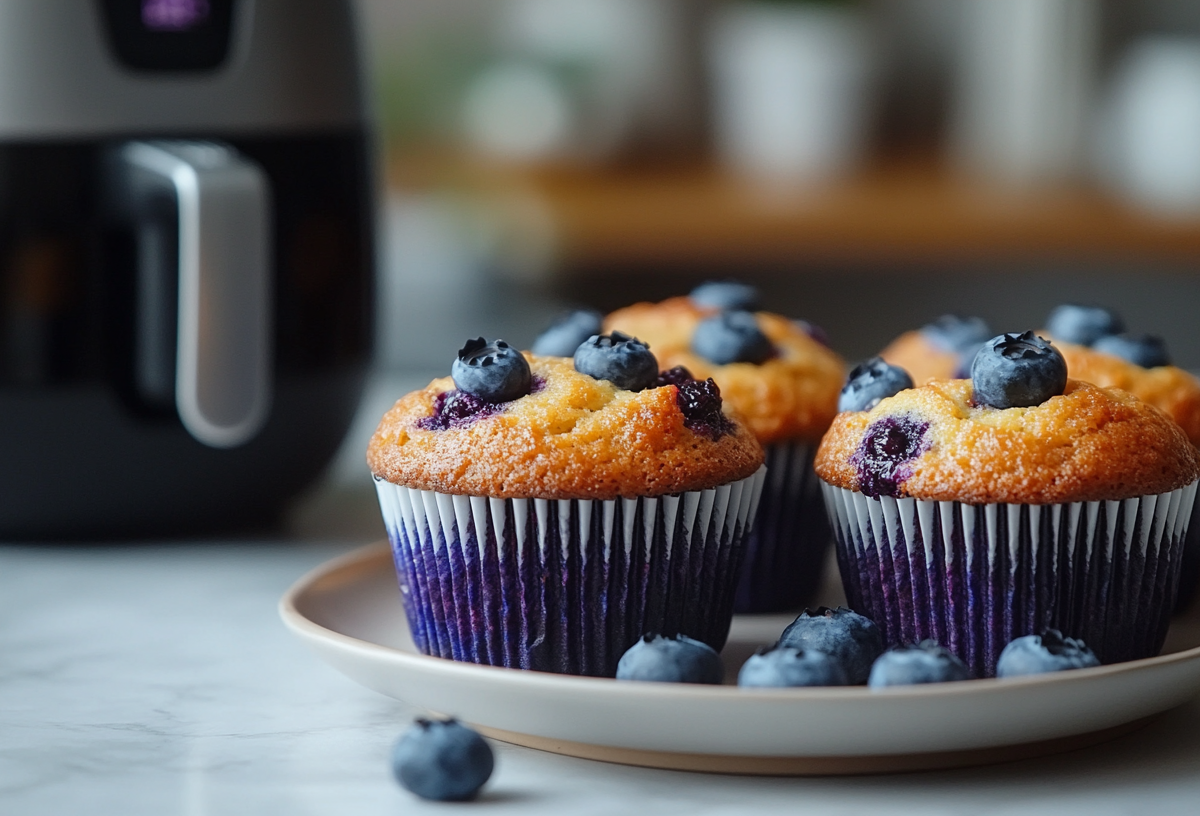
x,y
223,349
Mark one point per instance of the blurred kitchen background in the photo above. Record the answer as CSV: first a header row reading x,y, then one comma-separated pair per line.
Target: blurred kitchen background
x,y
869,165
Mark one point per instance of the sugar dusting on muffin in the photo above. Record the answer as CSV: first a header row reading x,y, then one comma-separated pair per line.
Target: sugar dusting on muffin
x,y
1087,444
574,437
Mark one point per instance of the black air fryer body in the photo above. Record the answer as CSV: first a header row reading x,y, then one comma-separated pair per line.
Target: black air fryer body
x,y
175,359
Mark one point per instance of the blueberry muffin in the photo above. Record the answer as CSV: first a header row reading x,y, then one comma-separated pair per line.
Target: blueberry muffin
x,y
784,381
546,512
977,511
939,350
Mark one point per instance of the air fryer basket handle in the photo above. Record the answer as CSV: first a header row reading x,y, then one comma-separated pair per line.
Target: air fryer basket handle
x,y
223,357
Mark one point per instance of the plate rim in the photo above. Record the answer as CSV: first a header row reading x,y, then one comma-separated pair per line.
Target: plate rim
x,y
363,559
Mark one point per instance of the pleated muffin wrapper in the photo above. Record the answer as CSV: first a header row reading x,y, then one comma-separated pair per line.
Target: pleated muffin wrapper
x,y
1189,570
787,546
562,585
973,577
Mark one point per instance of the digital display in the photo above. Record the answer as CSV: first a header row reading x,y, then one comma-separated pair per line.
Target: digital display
x,y
174,15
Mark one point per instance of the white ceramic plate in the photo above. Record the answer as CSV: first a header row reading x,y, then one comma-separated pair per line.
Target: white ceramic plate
x,y
349,612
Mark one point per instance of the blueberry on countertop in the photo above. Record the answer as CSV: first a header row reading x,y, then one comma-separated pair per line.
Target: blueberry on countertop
x,y
1017,371
1047,652
732,337
854,640
442,760
1082,325
624,361
493,372
924,662
725,295
870,382
954,333
566,333
785,667
1145,350
676,659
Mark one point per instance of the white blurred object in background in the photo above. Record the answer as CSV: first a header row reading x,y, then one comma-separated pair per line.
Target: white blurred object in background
x,y
1025,82
583,80
790,84
1149,134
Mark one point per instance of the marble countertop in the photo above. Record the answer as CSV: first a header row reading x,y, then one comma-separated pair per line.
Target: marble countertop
x,y
157,679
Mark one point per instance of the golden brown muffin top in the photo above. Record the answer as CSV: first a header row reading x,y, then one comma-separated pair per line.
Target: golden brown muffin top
x,y
931,442
923,360
1171,389
790,396
573,437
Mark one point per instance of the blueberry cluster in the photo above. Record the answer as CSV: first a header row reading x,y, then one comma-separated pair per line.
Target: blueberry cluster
x,y
442,760
1104,330
853,640
567,333
1017,371
624,361
871,382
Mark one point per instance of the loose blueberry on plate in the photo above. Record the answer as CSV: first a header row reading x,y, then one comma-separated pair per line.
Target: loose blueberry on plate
x,y
1082,325
624,361
870,382
1145,350
565,334
785,667
925,662
1017,371
1047,652
493,372
725,295
732,337
955,333
678,659
442,760
854,640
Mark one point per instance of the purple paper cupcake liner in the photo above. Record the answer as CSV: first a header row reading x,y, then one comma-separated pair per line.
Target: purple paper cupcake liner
x,y
786,547
973,577
565,585
1189,570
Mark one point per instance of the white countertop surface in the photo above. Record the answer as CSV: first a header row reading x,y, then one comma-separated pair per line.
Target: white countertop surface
x,y
156,678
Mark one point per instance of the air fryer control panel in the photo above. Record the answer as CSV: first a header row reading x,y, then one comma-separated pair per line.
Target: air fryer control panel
x,y
169,35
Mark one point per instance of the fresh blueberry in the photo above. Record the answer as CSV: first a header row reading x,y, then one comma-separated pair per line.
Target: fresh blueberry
x,y
1082,325
567,333
784,667
1017,371
870,382
1047,652
725,295
732,337
1145,350
925,662
954,333
624,361
854,640
494,372
676,659
442,760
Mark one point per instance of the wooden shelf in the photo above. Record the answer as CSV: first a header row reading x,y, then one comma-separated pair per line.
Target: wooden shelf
x,y
897,213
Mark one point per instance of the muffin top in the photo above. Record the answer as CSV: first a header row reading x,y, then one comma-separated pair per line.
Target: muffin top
x,y
571,437
933,442
792,394
921,358
1171,389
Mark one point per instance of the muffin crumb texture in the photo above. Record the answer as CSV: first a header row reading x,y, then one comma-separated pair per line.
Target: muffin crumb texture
x,y
573,437
932,442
